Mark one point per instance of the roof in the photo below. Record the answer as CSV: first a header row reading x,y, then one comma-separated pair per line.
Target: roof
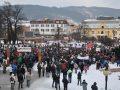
x,y
49,21
95,20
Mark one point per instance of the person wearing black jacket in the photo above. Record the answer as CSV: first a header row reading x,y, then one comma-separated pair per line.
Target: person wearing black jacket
x,y
65,83
79,77
47,71
57,82
94,86
20,80
23,71
54,78
39,69
81,67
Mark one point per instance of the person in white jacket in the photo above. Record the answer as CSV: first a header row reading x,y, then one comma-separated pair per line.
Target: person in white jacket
x,y
12,81
28,78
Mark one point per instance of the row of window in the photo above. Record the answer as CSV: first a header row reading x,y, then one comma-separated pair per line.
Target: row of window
x,y
100,32
37,30
46,25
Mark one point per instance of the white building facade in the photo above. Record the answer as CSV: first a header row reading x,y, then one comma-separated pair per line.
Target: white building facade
x,y
49,27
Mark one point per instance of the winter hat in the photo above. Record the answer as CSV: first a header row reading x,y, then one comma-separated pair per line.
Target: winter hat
x,y
95,83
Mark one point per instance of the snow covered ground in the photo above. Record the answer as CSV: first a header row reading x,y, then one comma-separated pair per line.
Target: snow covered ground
x,y
92,76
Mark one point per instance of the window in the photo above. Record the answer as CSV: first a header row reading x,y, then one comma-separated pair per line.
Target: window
x,y
36,30
36,25
61,25
42,25
52,25
32,25
61,21
92,32
102,27
102,32
42,30
32,30
47,25
57,22
98,32
47,29
108,33
52,30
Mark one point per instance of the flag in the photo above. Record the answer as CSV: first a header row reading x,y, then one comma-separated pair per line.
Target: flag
x,y
39,55
90,45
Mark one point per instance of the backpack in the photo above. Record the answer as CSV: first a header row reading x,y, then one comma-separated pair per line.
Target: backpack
x,y
12,80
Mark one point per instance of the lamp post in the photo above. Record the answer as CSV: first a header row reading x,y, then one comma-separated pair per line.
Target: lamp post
x,y
106,72
58,33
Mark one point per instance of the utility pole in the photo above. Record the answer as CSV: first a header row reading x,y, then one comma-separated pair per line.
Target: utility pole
x,y
58,33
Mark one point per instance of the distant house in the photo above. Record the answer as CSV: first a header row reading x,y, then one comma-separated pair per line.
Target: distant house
x,y
48,27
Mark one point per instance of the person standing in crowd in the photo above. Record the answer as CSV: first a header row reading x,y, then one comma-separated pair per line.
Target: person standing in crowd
x,y
79,75
54,78
64,73
57,82
10,70
12,81
4,67
97,65
28,78
76,67
58,68
20,80
47,71
69,75
23,71
65,83
43,70
39,69
84,85
18,71
53,70
85,68
82,67
94,86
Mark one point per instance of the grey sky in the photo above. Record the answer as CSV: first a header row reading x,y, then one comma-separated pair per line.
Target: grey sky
x,y
64,3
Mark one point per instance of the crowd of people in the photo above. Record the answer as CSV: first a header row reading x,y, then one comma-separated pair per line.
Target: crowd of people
x,y
52,63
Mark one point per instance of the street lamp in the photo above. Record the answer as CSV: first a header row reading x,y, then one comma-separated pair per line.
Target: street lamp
x,y
58,33
106,72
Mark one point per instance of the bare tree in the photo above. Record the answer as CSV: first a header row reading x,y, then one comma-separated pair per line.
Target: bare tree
x,y
13,14
2,30
17,16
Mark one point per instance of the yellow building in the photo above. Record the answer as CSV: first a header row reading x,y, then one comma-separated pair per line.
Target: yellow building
x,y
109,27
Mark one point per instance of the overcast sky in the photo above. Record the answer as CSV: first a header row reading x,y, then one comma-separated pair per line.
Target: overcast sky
x,y
64,3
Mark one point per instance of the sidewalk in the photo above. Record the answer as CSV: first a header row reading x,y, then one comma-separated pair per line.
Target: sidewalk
x,y
5,81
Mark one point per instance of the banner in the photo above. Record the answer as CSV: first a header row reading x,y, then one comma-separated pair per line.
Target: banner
x,y
83,58
97,49
90,45
24,49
